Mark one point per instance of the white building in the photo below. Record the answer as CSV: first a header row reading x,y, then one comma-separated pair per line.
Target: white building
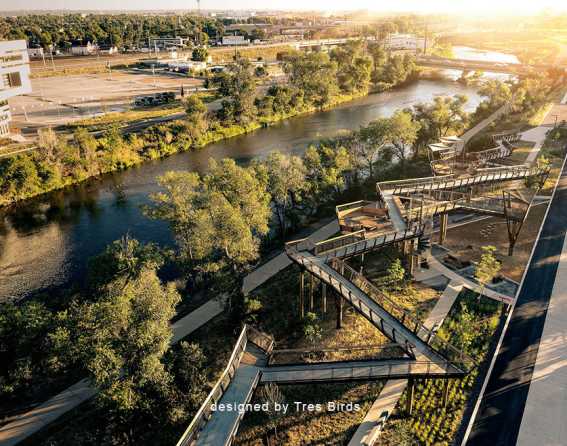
x,y
405,42
164,43
14,77
234,40
35,53
84,50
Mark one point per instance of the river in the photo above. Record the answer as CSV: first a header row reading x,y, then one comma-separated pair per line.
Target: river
x,y
45,243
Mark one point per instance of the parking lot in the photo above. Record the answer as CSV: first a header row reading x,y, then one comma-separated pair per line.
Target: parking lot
x,y
58,100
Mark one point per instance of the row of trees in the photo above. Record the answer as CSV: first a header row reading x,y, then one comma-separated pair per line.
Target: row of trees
x,y
117,333
315,80
122,30
525,96
130,30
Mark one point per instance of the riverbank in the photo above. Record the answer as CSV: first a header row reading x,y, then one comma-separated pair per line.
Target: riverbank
x,y
156,142
47,240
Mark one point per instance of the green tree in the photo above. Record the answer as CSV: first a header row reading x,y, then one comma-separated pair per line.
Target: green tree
x,y
353,69
217,220
197,121
125,257
124,348
311,328
379,58
402,134
395,71
325,169
496,91
365,144
87,146
444,116
200,54
19,178
238,86
313,73
488,267
285,179
395,274
186,363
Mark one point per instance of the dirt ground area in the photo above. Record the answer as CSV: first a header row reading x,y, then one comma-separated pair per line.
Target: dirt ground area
x,y
62,99
466,242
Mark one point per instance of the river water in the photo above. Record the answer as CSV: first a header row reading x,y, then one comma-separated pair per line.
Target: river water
x,y
45,243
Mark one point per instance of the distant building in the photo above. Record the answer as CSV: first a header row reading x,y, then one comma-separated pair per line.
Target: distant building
x,y
15,77
405,42
234,40
187,65
79,49
165,43
107,49
35,53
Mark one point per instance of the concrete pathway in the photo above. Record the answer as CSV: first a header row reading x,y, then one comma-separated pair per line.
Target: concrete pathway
x,y
453,276
537,136
466,137
282,261
372,424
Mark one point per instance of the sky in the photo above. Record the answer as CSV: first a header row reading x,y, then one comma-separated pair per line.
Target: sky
x,y
424,6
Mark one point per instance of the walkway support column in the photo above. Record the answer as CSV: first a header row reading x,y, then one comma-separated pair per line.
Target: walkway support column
x,y
302,294
411,258
409,399
324,296
339,305
311,292
443,221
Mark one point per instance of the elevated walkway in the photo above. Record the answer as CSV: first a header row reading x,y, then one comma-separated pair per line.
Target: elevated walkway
x,y
395,322
358,243
223,424
353,371
235,386
445,182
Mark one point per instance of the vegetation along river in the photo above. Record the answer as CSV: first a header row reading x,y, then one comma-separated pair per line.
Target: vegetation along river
x,y
45,243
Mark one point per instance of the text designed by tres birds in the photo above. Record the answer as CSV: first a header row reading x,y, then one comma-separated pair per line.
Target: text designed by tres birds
x,y
284,408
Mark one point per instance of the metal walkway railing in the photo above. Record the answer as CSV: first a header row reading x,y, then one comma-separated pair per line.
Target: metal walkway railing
x,y
413,337
248,333
355,371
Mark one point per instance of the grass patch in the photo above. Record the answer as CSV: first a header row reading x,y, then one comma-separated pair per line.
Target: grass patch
x,y
104,121
324,427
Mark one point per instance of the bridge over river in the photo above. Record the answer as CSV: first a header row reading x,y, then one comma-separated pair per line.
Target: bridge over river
x,y
484,65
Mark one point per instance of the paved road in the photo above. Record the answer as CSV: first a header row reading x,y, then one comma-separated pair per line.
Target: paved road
x,y
499,416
